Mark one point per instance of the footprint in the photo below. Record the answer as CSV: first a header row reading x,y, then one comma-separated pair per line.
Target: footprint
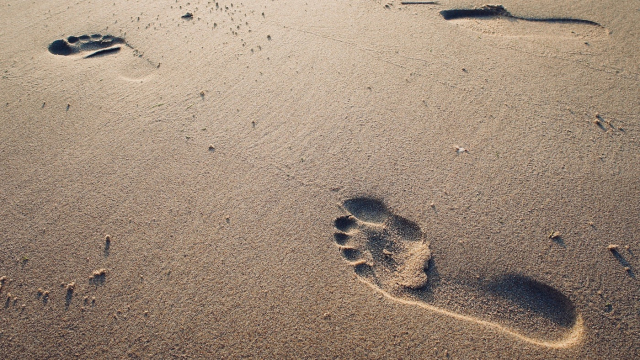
x,y
392,255
98,45
496,20
131,68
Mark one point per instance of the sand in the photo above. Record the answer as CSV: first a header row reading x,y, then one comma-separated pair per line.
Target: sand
x,y
319,179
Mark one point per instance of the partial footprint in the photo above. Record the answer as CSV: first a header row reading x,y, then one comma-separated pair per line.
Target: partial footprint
x,y
391,254
97,44
496,20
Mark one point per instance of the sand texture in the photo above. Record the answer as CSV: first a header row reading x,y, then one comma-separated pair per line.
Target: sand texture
x,y
320,179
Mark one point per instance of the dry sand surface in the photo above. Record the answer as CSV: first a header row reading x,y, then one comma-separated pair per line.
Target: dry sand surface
x,y
321,179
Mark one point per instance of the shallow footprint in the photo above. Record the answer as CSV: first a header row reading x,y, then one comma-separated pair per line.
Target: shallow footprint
x,y
98,45
391,254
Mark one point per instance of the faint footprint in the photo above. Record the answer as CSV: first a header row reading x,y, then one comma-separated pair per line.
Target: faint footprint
x,y
391,254
496,20
97,44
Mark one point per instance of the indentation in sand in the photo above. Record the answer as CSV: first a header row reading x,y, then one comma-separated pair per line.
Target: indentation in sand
x,y
92,45
97,46
391,254
496,20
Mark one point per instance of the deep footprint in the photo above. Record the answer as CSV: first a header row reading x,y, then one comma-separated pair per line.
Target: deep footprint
x,y
391,254
493,11
98,45
495,20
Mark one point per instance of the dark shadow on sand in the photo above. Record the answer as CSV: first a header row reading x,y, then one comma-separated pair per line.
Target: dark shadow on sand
x,y
495,11
534,296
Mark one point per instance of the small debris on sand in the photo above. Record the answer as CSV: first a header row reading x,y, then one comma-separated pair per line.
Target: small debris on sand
x,y
613,247
107,238
187,16
461,150
211,147
554,235
71,286
98,273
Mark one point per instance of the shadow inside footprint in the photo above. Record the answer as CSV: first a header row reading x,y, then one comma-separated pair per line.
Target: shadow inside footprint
x,y
405,228
367,209
341,238
536,297
365,271
100,44
494,11
344,223
486,11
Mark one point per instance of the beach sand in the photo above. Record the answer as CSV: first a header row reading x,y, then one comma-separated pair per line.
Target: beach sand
x,y
319,179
